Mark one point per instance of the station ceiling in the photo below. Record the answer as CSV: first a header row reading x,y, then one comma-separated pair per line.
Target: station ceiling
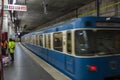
x,y
36,15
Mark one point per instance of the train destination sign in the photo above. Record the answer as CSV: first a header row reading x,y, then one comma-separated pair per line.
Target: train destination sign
x,y
14,7
108,24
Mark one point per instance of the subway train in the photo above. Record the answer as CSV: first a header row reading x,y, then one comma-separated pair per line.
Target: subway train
x,y
86,48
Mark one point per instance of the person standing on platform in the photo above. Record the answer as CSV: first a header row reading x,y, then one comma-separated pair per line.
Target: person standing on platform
x,y
3,47
11,46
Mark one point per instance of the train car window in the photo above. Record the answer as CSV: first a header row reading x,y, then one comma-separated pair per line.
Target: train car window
x,y
31,39
37,40
34,40
57,41
45,41
26,40
69,43
80,42
49,41
41,40
99,42
106,42
117,41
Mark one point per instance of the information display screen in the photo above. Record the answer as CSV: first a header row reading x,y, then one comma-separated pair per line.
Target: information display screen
x,y
107,24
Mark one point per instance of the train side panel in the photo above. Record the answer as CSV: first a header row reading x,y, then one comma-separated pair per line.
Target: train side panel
x,y
79,69
53,57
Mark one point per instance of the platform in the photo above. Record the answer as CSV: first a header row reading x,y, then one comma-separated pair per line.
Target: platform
x,y
28,66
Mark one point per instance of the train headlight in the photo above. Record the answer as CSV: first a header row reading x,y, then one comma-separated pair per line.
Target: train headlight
x,y
92,67
108,19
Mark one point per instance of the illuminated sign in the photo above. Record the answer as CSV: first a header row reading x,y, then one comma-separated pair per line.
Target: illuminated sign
x,y
14,7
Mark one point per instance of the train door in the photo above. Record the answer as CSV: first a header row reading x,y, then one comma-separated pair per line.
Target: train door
x,y
48,44
37,40
41,44
48,41
45,49
41,40
69,59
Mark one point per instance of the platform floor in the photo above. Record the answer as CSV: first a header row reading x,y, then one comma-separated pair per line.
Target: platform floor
x,y
28,66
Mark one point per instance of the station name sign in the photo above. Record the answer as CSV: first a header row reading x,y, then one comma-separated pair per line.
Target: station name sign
x,y
14,7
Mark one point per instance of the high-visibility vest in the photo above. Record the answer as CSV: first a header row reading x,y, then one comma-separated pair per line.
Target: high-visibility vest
x,y
11,46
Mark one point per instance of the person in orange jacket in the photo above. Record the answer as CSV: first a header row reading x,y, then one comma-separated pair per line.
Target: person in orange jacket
x,y
4,47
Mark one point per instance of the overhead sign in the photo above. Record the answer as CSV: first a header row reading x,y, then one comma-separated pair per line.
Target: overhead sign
x,y
14,7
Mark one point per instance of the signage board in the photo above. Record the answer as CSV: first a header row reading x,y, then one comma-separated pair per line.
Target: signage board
x,y
14,7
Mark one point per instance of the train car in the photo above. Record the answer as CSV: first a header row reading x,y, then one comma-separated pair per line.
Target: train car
x,y
86,48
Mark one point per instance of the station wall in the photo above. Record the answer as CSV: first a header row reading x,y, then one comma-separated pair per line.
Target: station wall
x,y
110,8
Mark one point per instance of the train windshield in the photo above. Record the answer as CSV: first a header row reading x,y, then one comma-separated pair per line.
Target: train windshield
x,y
97,42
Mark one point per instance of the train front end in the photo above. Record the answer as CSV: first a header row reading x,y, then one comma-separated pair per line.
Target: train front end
x,y
97,54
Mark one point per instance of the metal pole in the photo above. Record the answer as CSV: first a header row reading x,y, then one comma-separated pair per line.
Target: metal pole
x,y
98,7
2,15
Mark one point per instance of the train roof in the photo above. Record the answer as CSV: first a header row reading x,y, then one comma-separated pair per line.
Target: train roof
x,y
83,22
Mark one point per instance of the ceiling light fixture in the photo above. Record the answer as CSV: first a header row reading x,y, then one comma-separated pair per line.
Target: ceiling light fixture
x,y
45,7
